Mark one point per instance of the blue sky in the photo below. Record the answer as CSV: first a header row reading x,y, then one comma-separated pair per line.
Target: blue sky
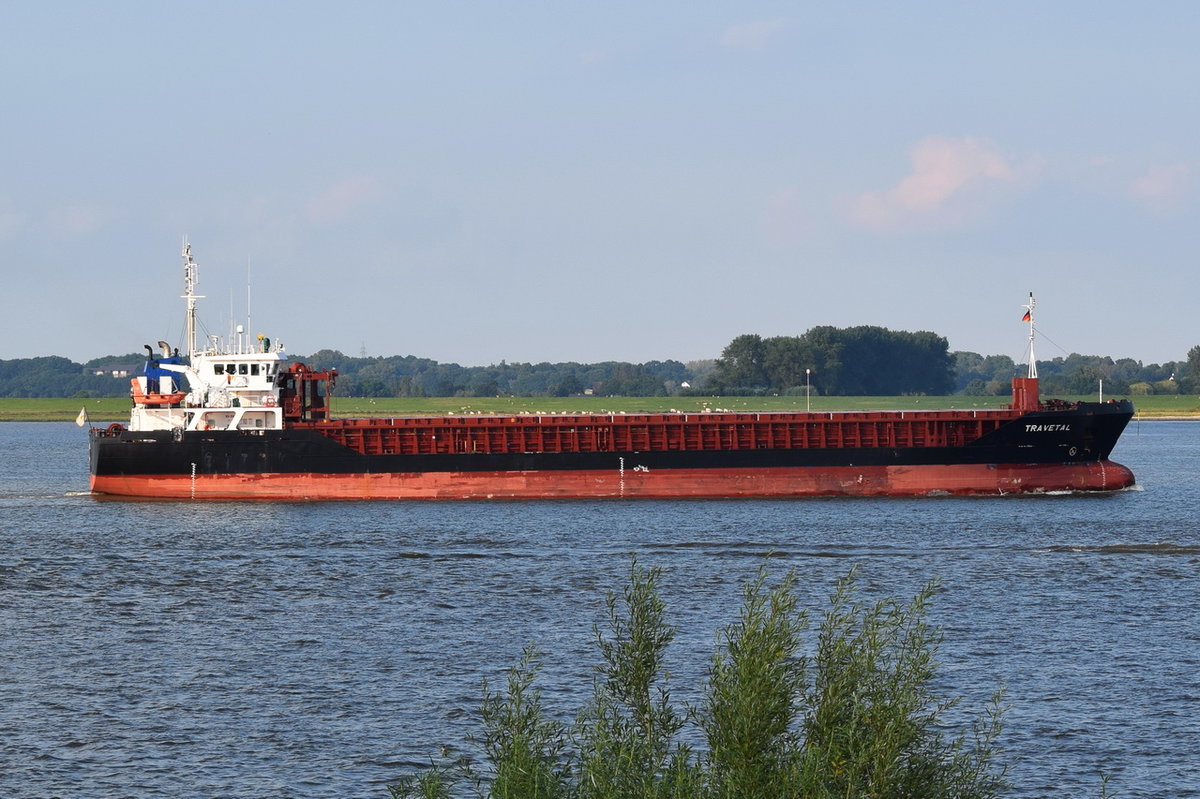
x,y
473,182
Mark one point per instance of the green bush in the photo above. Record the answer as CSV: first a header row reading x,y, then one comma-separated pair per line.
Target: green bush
x,y
858,718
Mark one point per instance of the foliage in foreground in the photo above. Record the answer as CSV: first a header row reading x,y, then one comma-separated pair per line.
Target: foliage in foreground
x,y
856,719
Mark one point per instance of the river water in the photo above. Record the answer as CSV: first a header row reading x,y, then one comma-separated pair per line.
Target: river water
x,y
324,649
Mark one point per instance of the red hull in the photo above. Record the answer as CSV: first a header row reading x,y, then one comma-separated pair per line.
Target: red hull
x,y
673,483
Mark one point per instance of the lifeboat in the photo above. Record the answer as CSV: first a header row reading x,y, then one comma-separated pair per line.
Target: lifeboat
x,y
154,398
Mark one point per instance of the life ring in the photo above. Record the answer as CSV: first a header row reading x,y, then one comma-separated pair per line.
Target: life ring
x,y
269,402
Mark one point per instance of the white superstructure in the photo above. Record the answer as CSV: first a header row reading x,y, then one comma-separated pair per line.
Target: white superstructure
x,y
230,387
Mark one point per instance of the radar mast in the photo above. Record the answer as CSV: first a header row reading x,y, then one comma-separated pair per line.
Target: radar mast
x,y
190,279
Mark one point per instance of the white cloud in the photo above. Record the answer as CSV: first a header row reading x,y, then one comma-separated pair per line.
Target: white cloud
x,y
1162,187
338,200
81,220
751,35
949,180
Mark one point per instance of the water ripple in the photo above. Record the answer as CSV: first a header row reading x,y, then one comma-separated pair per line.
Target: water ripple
x,y
323,649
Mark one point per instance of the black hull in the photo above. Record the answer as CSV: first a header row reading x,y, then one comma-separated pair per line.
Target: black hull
x,y
1084,434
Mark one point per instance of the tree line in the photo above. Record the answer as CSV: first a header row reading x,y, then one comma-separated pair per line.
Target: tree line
x,y
855,361
875,361
410,376
53,376
976,375
829,361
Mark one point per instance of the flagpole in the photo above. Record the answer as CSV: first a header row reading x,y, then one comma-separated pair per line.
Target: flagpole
x,y
1029,318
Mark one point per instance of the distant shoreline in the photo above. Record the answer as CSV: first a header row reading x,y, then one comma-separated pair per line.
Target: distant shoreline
x,y
1186,418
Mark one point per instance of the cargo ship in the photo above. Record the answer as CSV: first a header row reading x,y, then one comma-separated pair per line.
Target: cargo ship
x,y
238,420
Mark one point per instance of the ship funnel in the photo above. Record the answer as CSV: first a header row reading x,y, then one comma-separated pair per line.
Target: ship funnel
x,y
166,349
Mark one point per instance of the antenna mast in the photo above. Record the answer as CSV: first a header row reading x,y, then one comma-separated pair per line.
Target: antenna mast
x,y
189,288
1029,318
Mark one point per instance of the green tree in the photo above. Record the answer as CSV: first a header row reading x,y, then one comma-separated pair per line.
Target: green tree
x,y
1084,379
859,718
567,386
627,736
785,359
522,745
753,706
874,725
740,367
1189,382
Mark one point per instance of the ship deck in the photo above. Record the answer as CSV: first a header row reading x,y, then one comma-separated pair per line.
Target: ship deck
x,y
703,432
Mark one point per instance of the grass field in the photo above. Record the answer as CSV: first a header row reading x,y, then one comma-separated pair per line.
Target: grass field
x,y
116,409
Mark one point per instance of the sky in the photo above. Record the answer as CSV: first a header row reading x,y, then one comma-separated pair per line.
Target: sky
x,y
545,181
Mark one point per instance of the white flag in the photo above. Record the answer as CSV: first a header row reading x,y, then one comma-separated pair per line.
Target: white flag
x,y
82,419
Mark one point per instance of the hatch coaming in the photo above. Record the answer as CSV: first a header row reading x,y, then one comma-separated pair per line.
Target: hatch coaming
x,y
702,432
